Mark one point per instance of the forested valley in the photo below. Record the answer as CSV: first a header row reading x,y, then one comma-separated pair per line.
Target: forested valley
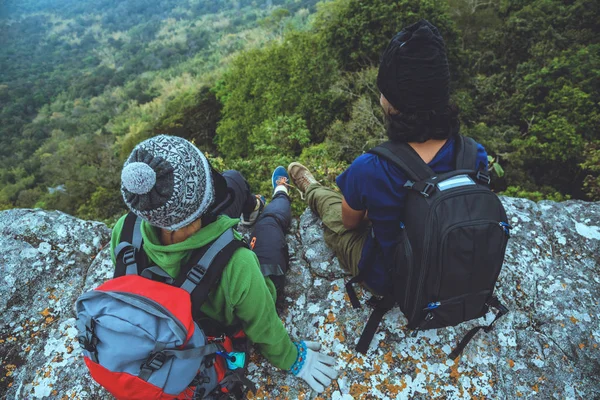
x,y
256,84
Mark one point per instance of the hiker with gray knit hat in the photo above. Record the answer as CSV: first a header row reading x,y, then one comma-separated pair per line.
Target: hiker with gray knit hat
x,y
184,205
364,221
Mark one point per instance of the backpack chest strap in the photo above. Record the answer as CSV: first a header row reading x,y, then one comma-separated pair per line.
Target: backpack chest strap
x,y
197,273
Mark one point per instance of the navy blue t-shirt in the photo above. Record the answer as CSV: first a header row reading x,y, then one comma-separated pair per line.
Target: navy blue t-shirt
x,y
377,186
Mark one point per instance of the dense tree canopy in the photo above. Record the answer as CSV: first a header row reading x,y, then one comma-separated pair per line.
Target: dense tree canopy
x,y
261,83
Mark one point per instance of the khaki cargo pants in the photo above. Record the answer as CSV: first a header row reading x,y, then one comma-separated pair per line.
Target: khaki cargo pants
x,y
347,244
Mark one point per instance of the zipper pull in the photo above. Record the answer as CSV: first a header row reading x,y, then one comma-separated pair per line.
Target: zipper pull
x,y
432,306
218,339
506,226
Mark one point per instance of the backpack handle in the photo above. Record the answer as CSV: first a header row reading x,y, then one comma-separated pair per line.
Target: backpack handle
x,y
465,153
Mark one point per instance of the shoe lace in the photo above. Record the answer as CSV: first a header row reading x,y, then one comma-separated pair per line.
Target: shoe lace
x,y
283,180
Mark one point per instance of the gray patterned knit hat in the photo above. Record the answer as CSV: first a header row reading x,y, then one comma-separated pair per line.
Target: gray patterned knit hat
x,y
167,181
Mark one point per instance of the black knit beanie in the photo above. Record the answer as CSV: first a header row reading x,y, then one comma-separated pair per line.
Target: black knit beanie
x,y
413,74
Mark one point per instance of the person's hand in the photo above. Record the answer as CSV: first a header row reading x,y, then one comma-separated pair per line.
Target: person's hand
x,y
315,368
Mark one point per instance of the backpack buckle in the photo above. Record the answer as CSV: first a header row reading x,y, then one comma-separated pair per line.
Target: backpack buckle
x,y
89,341
88,344
155,361
428,189
483,177
196,274
129,256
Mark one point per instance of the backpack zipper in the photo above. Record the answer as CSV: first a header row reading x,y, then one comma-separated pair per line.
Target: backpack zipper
x,y
436,304
409,262
425,259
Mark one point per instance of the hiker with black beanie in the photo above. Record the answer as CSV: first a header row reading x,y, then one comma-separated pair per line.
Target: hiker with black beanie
x,y
362,222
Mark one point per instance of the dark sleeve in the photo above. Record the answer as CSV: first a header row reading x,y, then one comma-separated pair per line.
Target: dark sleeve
x,y
482,160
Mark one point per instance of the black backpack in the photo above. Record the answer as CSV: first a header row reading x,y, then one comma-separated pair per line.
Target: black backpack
x,y
450,249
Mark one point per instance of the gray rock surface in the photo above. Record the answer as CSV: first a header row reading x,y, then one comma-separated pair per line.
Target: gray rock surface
x,y
45,258
546,347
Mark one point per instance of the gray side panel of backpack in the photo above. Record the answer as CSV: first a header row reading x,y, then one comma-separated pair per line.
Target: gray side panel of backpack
x,y
129,328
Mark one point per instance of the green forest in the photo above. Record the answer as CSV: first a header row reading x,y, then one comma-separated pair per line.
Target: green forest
x,y
256,84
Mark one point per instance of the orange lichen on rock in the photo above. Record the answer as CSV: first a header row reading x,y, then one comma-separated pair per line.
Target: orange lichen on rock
x,y
339,335
574,320
10,369
302,396
45,313
392,389
346,356
581,346
388,357
357,390
511,363
260,394
330,317
375,371
454,369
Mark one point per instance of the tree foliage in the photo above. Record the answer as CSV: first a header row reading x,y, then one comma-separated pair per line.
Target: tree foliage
x,y
292,77
257,84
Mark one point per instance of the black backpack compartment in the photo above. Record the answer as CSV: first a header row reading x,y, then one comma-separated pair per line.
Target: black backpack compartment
x,y
461,257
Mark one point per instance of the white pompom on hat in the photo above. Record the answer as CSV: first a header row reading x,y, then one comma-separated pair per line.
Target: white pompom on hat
x,y
138,178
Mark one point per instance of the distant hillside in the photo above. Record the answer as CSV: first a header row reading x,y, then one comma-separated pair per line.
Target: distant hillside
x,y
257,84
68,68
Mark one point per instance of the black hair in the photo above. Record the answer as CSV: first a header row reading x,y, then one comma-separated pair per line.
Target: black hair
x,y
420,127
222,199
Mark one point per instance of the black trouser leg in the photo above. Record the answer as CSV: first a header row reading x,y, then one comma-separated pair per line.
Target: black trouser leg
x,y
268,237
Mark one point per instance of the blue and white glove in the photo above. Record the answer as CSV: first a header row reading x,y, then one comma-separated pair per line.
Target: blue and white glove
x,y
315,368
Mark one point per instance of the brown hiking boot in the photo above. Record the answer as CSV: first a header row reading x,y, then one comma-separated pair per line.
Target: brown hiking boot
x,y
301,176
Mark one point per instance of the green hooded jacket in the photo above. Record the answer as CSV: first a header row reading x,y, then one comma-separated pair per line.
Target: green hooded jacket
x,y
243,294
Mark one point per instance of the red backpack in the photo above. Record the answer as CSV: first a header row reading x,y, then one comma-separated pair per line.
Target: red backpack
x,y
142,332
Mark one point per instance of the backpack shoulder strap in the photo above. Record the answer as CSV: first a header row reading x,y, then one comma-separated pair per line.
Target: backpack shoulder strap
x,y
205,268
129,255
465,151
406,158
